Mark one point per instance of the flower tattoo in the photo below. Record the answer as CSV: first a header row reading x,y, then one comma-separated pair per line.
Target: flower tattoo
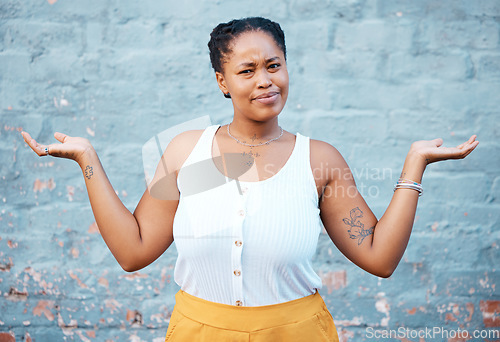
x,y
357,229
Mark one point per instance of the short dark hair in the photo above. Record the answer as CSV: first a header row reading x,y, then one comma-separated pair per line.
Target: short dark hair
x,y
224,33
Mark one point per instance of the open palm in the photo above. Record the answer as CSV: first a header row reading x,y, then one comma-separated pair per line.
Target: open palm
x,y
69,147
433,151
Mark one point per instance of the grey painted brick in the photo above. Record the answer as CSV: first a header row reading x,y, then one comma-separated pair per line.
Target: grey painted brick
x,y
10,9
315,95
17,65
152,9
365,155
224,11
428,66
374,35
318,34
466,283
452,126
463,96
474,187
57,66
479,217
470,34
495,190
380,96
17,95
487,66
369,77
39,37
443,10
488,153
342,64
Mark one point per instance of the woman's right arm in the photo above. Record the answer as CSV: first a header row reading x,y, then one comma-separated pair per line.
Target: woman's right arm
x,y
137,239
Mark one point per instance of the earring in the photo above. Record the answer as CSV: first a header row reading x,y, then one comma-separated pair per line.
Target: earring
x,y
227,96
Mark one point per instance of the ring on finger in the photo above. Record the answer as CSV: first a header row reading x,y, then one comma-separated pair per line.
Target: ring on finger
x,y
46,151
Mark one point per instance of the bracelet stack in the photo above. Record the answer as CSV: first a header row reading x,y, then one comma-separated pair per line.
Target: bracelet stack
x,y
408,184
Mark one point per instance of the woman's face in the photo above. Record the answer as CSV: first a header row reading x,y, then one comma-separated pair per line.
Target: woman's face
x,y
256,76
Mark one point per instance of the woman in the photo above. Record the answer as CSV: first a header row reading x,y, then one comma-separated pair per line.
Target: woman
x,y
245,247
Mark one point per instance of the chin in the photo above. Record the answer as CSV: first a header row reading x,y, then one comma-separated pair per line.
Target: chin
x,y
270,112
266,115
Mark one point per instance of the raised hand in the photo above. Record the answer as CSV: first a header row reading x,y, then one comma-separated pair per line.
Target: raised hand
x,y
432,150
70,147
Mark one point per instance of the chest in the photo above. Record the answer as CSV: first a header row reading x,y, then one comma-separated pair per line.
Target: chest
x,y
254,164
273,220
250,164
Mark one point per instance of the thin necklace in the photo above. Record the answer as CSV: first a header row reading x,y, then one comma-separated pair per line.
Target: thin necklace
x,y
250,145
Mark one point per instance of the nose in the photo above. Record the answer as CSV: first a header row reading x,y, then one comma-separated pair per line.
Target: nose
x,y
264,80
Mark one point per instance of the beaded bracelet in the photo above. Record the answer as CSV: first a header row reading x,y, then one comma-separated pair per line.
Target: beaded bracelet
x,y
408,184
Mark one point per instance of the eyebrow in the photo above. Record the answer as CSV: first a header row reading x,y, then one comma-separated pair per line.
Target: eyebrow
x,y
252,64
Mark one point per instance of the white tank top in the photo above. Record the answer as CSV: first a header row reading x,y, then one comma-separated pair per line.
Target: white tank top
x,y
246,243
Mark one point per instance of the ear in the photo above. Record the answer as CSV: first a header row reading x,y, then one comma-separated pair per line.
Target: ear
x,y
221,81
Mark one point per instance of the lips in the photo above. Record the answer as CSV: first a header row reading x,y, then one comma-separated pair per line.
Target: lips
x,y
267,98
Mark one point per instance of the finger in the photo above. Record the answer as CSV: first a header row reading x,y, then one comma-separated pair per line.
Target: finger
x,y
61,137
470,149
438,142
467,149
473,146
467,153
41,150
27,137
32,144
464,152
54,150
468,142
472,138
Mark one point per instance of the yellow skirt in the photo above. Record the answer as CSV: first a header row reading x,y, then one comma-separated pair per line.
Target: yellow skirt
x,y
301,320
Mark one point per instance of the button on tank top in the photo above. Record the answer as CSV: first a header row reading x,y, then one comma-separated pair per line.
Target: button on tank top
x,y
246,243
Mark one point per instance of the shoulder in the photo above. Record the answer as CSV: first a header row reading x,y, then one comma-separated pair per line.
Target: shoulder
x,y
326,159
181,146
322,151
187,137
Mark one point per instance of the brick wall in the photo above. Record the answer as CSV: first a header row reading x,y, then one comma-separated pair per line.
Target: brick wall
x,y
369,77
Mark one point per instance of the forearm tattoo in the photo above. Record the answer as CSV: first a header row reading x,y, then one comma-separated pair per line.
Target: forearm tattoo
x,y
356,228
89,172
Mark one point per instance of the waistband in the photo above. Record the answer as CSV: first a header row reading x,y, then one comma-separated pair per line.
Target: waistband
x,y
247,318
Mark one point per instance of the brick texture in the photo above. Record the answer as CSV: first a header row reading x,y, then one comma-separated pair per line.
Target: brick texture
x,y
368,76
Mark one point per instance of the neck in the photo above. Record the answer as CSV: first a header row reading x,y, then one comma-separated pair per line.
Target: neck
x,y
255,130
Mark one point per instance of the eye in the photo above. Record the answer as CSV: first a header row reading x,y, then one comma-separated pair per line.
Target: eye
x,y
246,71
274,66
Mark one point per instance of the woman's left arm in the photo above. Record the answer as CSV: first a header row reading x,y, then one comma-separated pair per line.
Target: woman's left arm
x,y
377,246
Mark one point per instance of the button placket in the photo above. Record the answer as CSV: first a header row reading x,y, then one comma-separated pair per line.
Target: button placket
x,y
236,266
236,252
